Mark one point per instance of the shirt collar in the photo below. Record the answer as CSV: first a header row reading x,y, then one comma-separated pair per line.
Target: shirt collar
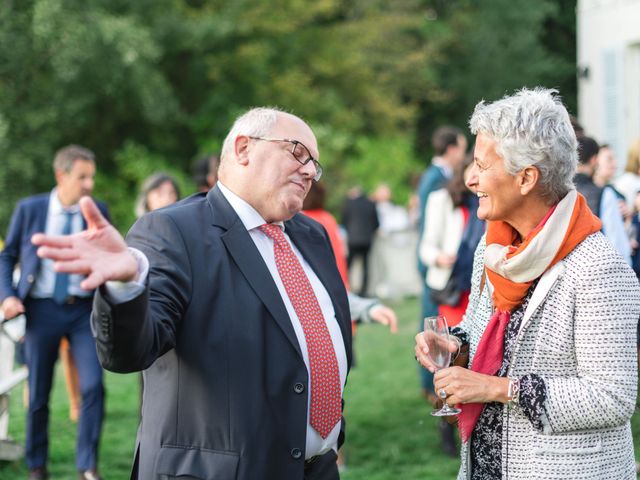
x,y
444,166
249,216
55,206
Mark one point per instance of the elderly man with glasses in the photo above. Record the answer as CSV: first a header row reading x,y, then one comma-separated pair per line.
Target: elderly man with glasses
x,y
231,303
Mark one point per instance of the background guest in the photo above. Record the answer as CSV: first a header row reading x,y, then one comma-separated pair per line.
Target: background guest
x,y
159,190
360,220
56,306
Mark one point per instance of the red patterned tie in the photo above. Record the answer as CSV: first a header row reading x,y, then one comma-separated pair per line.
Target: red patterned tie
x,y
325,376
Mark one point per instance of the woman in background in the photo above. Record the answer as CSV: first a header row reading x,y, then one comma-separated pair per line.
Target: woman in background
x,y
158,190
451,224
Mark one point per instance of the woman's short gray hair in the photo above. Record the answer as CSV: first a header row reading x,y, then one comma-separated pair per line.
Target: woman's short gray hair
x,y
532,127
257,122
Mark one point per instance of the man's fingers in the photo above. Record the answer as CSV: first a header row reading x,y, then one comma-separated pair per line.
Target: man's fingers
x,y
93,281
80,267
57,254
394,328
393,323
92,214
58,241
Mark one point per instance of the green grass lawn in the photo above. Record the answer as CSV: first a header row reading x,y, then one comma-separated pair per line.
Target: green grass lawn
x,y
390,434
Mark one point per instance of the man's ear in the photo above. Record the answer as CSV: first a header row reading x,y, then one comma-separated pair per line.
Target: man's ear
x,y
528,179
58,175
241,147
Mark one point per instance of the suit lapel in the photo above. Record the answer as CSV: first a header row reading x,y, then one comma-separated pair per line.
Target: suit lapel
x,y
541,292
248,259
42,211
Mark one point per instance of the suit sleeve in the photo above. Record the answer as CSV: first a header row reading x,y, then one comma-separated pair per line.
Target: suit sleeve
x,y
132,335
11,252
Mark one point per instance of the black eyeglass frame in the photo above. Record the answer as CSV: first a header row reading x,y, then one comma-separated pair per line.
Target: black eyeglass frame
x,y
294,144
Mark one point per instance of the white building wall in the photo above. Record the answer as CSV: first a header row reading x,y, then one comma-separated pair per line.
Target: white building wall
x,y
609,71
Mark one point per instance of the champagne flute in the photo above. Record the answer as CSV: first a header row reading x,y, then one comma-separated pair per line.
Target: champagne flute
x,y
436,334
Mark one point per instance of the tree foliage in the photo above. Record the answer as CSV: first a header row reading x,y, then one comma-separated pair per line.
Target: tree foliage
x,y
151,85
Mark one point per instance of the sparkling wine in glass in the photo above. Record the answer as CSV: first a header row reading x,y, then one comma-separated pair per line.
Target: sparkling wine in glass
x,y
436,334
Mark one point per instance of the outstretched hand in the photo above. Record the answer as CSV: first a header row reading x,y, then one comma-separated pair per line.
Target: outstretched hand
x,y
99,252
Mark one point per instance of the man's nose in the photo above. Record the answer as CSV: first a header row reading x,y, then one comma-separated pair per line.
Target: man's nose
x,y
309,169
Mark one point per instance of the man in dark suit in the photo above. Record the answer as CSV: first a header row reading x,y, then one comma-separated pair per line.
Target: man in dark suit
x,y
232,304
360,220
55,306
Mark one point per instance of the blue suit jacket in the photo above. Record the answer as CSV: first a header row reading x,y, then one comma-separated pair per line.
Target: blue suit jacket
x,y
29,217
225,383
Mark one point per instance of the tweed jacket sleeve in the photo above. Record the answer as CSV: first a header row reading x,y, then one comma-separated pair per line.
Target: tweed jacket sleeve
x,y
594,379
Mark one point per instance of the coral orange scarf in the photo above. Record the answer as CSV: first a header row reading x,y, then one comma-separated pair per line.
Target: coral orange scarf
x,y
511,271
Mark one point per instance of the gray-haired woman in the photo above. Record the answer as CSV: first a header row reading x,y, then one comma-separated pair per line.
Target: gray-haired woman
x,y
551,324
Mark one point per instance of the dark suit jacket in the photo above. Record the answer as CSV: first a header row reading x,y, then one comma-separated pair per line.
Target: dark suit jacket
x,y
29,217
225,393
360,219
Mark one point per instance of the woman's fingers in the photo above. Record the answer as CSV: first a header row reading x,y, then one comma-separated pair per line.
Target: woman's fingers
x,y
422,353
465,386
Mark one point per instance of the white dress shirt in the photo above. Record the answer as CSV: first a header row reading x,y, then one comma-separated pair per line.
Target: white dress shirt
x,y
252,220
447,171
46,277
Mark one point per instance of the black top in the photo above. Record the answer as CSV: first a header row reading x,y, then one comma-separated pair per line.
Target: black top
x,y
486,441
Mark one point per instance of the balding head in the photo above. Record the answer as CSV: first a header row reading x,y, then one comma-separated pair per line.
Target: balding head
x,y
260,161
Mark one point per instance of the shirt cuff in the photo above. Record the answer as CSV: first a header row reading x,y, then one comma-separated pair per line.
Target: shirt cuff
x,y
121,292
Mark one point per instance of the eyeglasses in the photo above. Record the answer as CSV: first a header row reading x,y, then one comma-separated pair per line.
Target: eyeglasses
x,y
299,152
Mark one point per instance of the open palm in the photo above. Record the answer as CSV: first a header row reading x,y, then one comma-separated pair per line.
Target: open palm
x,y
99,252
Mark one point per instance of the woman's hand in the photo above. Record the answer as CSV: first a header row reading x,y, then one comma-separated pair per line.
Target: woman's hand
x,y
422,348
465,386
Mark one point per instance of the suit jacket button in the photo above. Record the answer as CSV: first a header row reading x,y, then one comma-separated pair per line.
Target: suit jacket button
x,y
30,278
298,387
296,454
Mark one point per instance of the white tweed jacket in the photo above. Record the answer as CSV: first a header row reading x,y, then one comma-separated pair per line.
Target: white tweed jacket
x,y
579,335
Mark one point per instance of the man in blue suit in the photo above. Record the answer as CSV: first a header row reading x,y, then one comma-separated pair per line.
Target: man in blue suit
x,y
55,306
231,303
450,146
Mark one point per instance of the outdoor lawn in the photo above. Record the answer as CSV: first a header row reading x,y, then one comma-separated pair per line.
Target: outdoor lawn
x,y
390,432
